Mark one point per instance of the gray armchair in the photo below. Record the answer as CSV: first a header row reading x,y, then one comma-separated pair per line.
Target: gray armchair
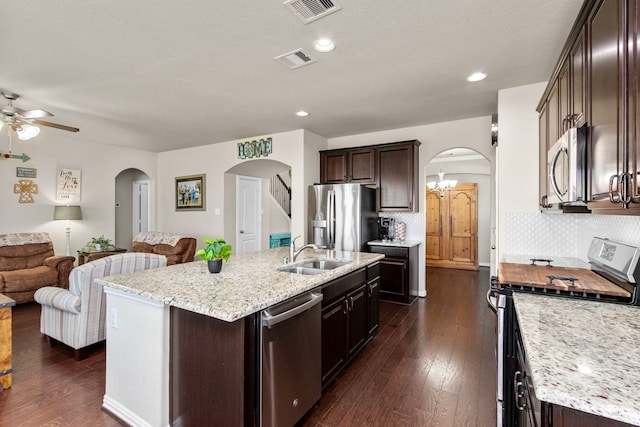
x,y
76,317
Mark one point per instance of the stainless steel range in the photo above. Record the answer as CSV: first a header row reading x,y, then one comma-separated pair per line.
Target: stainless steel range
x,y
613,277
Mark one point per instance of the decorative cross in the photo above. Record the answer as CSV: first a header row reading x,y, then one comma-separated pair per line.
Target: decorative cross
x,y
25,187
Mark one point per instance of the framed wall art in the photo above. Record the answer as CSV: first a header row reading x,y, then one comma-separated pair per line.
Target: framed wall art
x,y
68,186
190,193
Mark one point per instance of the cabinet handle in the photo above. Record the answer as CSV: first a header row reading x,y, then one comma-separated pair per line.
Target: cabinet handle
x,y
440,224
345,306
544,202
624,185
617,197
518,391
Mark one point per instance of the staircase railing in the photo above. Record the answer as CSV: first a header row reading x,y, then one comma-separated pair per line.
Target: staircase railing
x,y
281,192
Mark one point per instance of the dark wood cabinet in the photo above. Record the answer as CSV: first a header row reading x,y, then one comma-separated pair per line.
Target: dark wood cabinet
x,y
578,81
543,126
605,26
334,339
397,176
564,121
553,112
373,298
398,272
393,168
351,165
357,319
206,353
345,322
361,165
333,167
596,82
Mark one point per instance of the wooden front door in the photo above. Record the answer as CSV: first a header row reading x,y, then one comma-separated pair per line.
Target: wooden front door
x,y
452,227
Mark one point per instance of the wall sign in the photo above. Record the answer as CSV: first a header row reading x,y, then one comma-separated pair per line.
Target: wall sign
x,y
68,186
259,148
26,172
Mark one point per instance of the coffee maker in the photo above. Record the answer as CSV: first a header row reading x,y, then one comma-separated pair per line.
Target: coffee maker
x,y
385,228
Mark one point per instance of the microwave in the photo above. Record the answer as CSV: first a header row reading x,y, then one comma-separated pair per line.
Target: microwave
x,y
567,168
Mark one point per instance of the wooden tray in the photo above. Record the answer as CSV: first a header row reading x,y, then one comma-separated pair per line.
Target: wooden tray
x,y
537,276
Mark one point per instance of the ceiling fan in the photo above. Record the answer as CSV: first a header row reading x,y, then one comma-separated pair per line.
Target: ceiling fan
x,y
23,122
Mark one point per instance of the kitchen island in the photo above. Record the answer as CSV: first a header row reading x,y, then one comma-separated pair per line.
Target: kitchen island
x,y
219,310
583,357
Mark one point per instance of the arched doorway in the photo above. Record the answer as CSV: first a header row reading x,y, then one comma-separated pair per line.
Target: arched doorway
x,y
274,218
469,167
131,210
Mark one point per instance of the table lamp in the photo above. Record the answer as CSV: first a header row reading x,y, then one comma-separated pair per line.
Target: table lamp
x,y
67,213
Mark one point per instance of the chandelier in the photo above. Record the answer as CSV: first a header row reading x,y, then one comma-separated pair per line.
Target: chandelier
x,y
442,185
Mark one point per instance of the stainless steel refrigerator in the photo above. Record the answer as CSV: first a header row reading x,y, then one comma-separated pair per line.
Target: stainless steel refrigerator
x,y
342,216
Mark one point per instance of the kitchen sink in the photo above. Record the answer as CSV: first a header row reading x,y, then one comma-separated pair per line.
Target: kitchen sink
x,y
312,267
323,264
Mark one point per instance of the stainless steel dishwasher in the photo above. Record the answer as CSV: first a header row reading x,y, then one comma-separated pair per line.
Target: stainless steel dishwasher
x,y
290,362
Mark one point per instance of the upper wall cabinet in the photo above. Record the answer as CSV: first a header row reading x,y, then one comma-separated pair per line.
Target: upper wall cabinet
x,y
596,84
393,168
397,177
352,165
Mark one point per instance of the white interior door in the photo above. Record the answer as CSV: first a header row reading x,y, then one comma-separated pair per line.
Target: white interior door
x,y
140,207
248,214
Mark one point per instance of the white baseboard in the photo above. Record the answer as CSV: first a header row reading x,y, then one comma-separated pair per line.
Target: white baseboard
x,y
124,413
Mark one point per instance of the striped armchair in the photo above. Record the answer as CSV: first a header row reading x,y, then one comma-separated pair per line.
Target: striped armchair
x,y
76,317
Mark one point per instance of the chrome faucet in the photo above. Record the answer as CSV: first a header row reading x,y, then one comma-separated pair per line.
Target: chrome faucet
x,y
293,252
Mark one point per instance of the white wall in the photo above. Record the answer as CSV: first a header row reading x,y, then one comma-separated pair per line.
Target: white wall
x,y
469,133
517,153
54,149
298,148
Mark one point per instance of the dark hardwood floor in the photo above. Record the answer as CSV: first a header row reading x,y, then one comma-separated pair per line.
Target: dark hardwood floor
x,y
431,364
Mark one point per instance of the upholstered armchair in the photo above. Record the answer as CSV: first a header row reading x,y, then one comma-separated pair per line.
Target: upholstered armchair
x,y
28,263
76,316
176,247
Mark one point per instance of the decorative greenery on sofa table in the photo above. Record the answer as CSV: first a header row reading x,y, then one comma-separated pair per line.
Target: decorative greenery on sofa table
x,y
99,244
214,253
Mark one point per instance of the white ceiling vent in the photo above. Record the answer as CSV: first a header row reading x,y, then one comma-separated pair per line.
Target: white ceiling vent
x,y
310,10
296,59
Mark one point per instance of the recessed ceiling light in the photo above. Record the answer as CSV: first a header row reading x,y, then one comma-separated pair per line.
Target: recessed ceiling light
x,y
302,113
324,45
476,77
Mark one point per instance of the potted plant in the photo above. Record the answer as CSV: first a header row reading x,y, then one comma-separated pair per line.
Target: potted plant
x,y
214,253
100,243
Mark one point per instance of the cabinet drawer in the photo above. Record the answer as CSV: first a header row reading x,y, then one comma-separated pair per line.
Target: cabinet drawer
x,y
390,251
339,287
373,271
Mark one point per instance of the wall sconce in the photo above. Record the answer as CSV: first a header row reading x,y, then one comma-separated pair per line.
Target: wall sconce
x,y
67,213
442,185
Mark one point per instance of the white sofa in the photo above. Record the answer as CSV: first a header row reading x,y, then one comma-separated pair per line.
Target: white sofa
x,y
76,317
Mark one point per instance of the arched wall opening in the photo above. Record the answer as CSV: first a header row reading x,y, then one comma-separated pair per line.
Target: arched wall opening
x,y
468,165
273,218
124,205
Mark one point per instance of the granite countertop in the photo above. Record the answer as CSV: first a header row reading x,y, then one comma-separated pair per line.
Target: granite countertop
x,y
247,283
583,354
396,243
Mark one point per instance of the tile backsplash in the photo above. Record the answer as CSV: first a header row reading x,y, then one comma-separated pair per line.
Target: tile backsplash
x,y
412,220
565,235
